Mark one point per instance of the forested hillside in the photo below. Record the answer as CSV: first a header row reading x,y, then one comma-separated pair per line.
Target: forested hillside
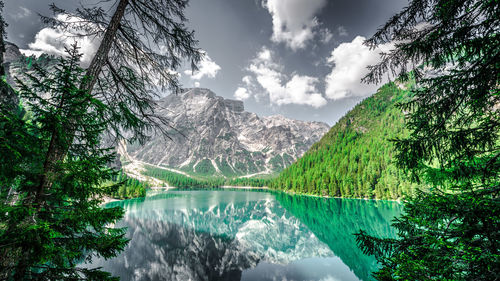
x,y
355,158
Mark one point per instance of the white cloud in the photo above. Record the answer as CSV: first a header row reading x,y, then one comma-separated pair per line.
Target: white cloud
x,y
302,90
350,61
22,13
294,21
342,31
264,55
247,79
325,35
196,84
207,67
297,90
53,41
241,94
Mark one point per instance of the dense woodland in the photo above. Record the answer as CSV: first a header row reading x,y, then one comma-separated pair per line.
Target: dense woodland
x,y
356,157
127,187
183,181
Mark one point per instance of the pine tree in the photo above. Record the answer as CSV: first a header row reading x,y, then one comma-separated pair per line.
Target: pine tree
x,y
451,229
142,43
47,239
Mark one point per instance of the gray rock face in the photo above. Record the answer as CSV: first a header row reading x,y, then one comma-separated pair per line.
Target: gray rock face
x,y
10,57
215,136
8,97
12,53
17,65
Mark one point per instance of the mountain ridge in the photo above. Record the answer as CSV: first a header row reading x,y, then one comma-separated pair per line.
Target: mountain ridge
x,y
211,135
214,136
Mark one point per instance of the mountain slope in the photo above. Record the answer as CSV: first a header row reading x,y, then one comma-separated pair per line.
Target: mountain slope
x,y
214,136
355,158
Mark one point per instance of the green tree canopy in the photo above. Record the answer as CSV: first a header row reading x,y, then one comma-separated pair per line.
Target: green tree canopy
x,y
451,229
141,44
46,239
53,156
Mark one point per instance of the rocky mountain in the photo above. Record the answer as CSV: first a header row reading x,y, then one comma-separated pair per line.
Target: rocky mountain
x,y
12,53
216,136
210,135
7,95
16,63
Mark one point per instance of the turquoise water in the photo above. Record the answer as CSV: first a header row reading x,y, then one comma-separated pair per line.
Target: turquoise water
x,y
246,235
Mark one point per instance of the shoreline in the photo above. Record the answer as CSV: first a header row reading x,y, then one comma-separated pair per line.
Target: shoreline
x,y
162,188
243,187
107,199
335,197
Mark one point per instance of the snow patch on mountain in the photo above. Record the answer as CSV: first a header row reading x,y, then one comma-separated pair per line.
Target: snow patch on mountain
x,y
216,136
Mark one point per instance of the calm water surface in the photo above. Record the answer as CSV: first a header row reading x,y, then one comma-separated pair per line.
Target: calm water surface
x,y
246,235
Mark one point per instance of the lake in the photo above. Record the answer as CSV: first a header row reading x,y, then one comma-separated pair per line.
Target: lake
x,y
247,235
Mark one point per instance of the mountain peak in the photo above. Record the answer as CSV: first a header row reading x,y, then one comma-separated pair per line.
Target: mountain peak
x,y
203,97
197,92
216,136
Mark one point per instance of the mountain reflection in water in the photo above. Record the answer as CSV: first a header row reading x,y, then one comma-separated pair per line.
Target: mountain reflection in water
x,y
245,235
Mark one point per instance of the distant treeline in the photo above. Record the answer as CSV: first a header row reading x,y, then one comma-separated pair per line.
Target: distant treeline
x,y
182,181
128,187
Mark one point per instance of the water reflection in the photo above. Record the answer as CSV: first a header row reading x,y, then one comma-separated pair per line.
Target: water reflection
x,y
168,251
335,220
243,235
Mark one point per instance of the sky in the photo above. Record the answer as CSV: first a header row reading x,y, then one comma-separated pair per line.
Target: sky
x,y
303,59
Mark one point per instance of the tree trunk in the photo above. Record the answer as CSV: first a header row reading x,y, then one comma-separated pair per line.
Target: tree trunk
x,y
101,55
